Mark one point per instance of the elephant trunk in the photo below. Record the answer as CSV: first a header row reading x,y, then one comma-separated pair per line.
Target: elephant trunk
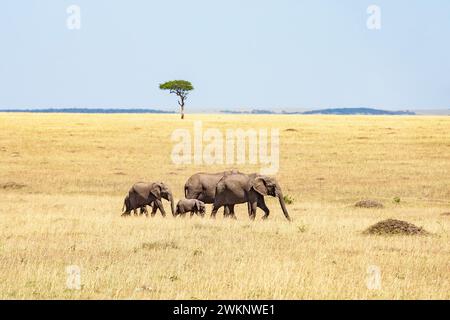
x,y
172,205
283,205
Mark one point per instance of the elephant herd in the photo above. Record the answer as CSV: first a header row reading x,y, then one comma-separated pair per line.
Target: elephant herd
x,y
225,189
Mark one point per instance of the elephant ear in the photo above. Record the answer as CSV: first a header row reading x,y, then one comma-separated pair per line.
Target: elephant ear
x,y
156,190
259,185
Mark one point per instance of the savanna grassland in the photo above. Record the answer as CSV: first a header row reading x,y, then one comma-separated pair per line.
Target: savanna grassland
x,y
63,178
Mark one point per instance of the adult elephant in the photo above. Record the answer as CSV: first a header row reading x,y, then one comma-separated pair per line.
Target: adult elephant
x,y
142,194
251,189
202,186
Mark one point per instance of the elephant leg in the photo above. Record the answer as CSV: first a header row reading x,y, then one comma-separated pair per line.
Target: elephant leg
x,y
144,211
180,211
226,211
192,214
231,214
154,209
135,212
262,205
214,211
253,206
159,204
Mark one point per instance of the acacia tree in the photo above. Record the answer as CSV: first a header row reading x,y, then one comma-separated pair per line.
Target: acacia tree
x,y
181,88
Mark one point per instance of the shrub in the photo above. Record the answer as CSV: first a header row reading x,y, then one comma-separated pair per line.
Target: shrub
x,y
288,199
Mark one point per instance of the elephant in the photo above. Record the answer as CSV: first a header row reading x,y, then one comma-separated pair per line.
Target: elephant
x,y
202,186
251,189
142,194
193,206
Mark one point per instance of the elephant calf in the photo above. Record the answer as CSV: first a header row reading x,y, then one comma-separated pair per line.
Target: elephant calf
x,y
193,206
142,194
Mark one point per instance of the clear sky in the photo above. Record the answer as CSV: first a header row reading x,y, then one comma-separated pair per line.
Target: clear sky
x,y
239,54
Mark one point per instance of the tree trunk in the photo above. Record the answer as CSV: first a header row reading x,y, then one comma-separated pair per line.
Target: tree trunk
x,y
181,103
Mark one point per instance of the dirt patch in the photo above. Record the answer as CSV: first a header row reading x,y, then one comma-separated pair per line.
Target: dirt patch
x,y
291,130
395,227
12,186
445,214
369,204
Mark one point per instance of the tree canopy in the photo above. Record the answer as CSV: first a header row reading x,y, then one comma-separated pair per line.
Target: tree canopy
x,y
181,88
176,86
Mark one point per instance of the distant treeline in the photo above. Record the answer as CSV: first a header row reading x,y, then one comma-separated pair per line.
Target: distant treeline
x,y
257,111
336,111
362,111
86,110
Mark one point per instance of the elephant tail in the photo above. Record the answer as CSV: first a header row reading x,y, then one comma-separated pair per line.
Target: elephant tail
x,y
185,191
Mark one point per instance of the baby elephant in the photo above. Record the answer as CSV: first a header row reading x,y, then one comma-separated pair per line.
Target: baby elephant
x,y
192,206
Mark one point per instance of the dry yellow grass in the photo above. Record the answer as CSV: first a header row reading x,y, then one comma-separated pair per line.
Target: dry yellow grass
x,y
63,179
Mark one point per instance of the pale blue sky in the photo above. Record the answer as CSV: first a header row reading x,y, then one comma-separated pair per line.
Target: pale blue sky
x,y
241,54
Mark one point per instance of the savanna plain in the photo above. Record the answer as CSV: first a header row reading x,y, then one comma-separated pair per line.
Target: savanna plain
x,y
63,178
